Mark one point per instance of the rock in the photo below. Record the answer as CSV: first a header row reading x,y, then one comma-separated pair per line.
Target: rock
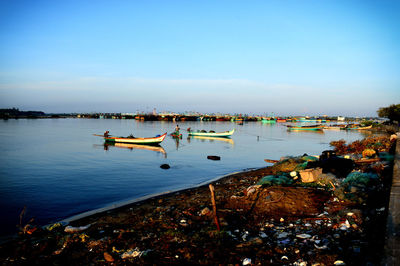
x,y
165,166
108,257
213,157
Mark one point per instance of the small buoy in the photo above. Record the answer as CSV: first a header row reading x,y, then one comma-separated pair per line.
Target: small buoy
x,y
213,157
165,166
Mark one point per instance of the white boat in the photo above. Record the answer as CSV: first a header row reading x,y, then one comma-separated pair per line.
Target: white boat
x,y
212,134
132,140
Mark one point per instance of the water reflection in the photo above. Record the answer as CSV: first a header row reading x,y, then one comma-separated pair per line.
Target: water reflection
x,y
129,146
211,139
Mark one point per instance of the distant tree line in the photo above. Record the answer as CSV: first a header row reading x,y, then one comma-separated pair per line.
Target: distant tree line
x,y
391,112
16,113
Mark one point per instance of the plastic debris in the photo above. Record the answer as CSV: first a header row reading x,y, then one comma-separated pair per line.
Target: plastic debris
x,y
71,229
132,253
53,226
303,236
108,257
246,261
310,175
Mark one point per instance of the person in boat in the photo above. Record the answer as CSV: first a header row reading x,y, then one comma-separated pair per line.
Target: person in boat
x,y
177,130
106,134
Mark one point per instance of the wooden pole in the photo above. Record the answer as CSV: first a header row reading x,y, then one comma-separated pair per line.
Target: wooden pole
x,y
214,206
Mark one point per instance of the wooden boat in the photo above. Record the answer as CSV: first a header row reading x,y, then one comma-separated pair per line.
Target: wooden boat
x,y
313,128
149,141
363,128
357,127
335,127
212,134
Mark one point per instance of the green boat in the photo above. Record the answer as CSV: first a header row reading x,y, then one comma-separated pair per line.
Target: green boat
x,y
312,128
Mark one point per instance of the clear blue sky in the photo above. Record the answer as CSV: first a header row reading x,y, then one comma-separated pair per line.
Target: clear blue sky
x,y
339,57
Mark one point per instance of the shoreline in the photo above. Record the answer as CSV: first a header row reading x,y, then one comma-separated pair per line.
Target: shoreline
x,y
125,203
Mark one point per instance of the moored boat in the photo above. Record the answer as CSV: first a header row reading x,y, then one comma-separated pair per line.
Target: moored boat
x,y
211,133
268,120
133,140
363,128
335,127
313,128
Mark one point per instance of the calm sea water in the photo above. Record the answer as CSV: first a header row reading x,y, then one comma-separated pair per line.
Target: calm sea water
x,y
57,168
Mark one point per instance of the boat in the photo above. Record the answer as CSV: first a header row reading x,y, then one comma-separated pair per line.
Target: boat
x,y
268,120
335,127
357,127
212,133
363,128
313,128
133,140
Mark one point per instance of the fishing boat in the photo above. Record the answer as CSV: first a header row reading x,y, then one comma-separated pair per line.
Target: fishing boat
x,y
335,127
211,133
133,140
363,128
357,127
312,128
268,120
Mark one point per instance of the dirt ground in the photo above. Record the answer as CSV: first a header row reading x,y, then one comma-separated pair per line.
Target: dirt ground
x,y
256,225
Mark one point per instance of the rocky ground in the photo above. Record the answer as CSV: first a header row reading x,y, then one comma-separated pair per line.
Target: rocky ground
x,y
266,216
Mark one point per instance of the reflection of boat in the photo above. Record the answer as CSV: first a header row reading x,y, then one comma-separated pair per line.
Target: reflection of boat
x,y
229,140
133,140
312,128
211,134
156,148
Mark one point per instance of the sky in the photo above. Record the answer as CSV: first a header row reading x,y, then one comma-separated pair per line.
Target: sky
x,y
283,57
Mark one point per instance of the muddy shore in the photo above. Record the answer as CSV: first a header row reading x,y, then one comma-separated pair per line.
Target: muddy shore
x,y
287,221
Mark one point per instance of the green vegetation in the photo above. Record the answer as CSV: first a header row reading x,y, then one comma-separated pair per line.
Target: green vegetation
x,y
391,112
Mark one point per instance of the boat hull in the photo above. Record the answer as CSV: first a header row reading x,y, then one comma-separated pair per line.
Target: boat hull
x,y
212,134
308,128
147,141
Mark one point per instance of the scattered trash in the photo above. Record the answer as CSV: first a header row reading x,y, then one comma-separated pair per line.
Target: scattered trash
x,y
246,261
108,257
132,253
310,175
71,229
53,226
